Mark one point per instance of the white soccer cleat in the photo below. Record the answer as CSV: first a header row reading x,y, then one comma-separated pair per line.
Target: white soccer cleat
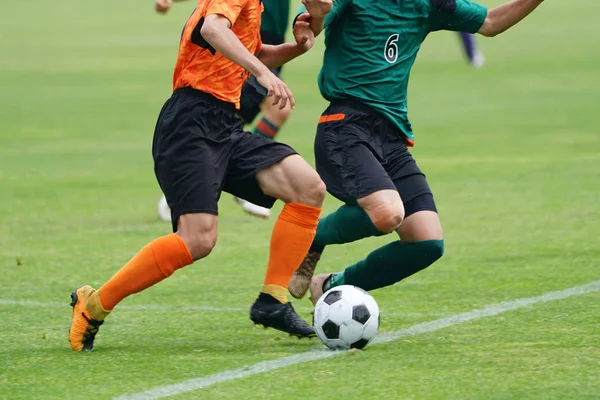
x,y
253,209
164,212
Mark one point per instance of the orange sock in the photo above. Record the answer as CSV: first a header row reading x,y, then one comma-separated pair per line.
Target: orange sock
x,y
155,262
292,236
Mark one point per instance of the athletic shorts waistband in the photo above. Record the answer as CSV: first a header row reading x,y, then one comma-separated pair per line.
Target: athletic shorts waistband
x,y
357,105
207,97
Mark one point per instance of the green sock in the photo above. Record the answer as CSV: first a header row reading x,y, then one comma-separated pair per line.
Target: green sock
x,y
347,224
389,264
265,128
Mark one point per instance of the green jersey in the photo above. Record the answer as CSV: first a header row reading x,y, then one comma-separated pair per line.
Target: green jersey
x,y
275,17
372,45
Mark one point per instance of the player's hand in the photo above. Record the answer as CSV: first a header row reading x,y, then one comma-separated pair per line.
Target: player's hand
x,y
162,6
318,8
276,89
305,38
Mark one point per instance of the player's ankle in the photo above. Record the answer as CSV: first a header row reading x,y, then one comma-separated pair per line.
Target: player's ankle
x,y
316,248
277,292
94,307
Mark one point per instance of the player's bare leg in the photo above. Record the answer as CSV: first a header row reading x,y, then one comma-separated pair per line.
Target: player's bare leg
x,y
273,118
317,287
195,238
294,182
376,214
420,246
421,226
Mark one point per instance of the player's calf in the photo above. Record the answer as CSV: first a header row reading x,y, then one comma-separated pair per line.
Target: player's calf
x,y
420,246
382,213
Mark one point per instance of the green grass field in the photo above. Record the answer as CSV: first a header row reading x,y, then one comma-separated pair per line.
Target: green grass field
x,y
511,151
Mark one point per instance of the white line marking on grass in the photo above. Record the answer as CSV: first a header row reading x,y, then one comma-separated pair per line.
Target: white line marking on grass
x,y
28,303
426,327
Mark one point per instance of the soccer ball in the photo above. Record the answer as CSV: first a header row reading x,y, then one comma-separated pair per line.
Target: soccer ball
x,y
346,317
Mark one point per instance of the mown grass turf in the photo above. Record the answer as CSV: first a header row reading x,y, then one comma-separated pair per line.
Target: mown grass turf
x,y
511,151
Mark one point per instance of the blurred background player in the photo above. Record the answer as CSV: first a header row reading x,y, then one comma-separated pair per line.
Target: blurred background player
x,y
471,50
362,138
200,149
274,25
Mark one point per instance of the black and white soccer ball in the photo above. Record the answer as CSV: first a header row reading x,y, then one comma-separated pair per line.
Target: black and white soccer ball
x,y
346,317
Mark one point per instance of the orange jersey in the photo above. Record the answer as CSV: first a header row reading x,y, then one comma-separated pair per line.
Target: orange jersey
x,y
198,64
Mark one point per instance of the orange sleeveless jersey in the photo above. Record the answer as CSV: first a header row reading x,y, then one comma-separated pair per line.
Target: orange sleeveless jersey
x,y
199,66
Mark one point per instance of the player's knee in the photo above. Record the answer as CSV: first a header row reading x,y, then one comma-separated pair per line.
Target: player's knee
x,y
387,217
198,232
312,191
199,241
274,114
200,245
317,190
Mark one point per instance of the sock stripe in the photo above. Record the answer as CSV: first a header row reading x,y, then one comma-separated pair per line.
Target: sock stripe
x,y
269,123
266,128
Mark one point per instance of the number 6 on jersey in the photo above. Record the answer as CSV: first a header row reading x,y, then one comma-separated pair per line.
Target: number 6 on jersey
x,y
391,49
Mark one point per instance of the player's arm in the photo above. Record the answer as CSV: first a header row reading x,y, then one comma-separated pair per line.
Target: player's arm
x,y
501,18
275,56
318,11
469,16
216,30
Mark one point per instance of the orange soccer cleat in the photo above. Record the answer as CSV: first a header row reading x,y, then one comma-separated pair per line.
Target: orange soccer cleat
x,y
83,327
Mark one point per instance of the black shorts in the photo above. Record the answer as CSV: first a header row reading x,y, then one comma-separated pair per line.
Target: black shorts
x,y
253,93
201,149
358,152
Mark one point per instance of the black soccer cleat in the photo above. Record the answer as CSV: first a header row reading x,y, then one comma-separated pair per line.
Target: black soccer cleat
x,y
270,313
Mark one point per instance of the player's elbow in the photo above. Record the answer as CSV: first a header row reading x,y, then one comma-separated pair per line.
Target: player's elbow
x,y
208,30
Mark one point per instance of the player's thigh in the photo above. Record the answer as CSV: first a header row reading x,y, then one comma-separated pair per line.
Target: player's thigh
x,y
191,154
262,170
422,225
292,180
348,156
422,221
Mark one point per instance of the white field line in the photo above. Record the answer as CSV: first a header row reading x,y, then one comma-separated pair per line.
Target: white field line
x,y
426,327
